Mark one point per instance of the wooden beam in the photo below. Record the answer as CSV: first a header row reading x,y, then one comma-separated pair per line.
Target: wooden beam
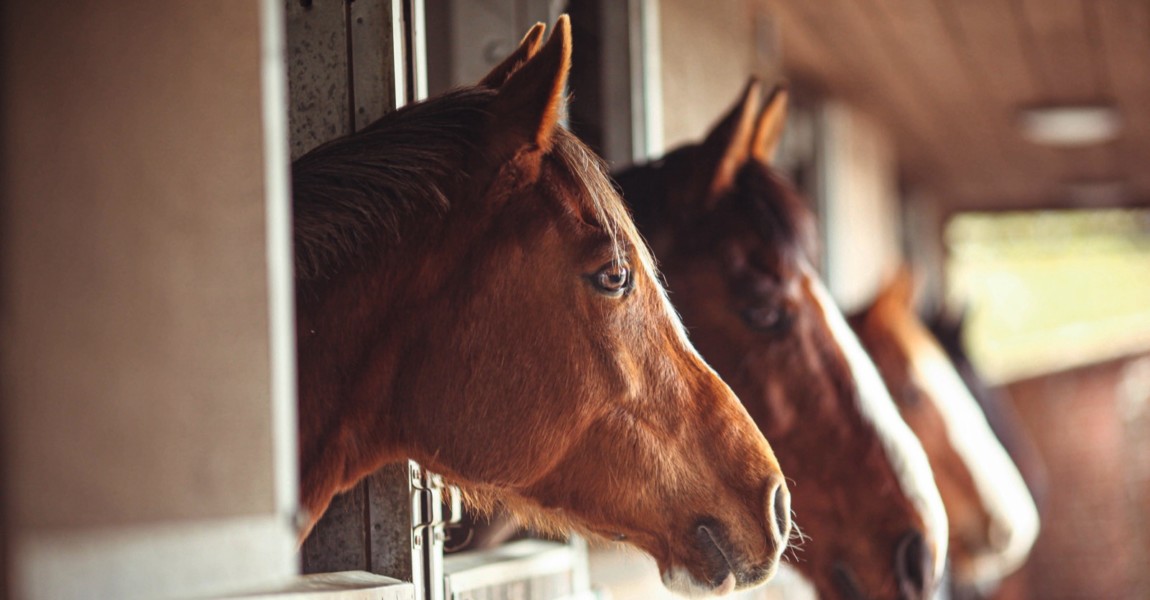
x,y
1125,29
830,49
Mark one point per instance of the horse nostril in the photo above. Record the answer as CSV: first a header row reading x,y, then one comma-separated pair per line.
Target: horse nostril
x,y
845,580
712,541
913,565
779,510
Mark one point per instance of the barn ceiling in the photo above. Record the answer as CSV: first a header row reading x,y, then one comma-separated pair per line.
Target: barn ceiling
x,y
949,77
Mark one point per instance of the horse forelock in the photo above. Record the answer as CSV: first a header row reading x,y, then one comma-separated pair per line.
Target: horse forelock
x,y
594,189
369,188
780,213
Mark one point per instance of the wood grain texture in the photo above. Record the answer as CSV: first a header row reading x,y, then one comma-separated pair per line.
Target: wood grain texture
x,y
948,78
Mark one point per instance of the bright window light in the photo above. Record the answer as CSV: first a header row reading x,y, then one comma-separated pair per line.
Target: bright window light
x,y
1070,125
1050,290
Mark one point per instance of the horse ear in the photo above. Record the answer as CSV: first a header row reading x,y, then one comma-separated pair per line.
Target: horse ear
x,y
769,126
529,103
900,291
727,147
953,318
528,46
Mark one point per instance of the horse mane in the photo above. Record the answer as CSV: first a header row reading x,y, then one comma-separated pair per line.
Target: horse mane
x,y
604,206
780,212
361,192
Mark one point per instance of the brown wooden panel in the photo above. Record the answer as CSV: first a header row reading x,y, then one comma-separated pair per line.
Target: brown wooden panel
x,y
1125,30
1089,163
1063,53
866,77
949,77
987,36
802,54
812,63
1088,547
914,35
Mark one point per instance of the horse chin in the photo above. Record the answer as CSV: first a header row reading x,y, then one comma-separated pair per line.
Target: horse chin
x,y
982,573
680,581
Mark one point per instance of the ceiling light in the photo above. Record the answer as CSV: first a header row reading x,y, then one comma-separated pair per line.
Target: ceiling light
x,y
1064,125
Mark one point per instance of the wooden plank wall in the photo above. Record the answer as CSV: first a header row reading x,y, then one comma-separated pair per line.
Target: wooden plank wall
x,y
948,78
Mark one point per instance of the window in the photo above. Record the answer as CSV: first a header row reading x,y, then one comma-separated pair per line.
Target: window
x,y
1050,290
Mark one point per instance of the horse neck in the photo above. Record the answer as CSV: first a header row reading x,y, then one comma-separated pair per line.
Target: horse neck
x,y
350,346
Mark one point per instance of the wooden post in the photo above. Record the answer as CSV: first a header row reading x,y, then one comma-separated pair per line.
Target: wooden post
x,y
348,65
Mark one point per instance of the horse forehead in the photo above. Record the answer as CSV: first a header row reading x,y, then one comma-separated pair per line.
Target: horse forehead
x,y
889,339
921,352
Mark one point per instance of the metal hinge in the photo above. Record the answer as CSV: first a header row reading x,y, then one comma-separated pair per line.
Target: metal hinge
x,y
427,525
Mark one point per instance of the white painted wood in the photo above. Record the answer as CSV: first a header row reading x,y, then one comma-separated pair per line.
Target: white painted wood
x,y
858,184
175,560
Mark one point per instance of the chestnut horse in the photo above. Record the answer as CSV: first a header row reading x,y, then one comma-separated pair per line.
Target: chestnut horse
x,y
736,245
472,295
993,518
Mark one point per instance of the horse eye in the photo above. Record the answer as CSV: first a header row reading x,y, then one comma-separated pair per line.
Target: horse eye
x,y
769,319
911,395
613,280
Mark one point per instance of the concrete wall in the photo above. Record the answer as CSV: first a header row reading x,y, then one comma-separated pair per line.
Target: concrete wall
x,y
148,416
708,50
858,183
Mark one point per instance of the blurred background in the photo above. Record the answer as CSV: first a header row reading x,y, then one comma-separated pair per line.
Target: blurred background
x,y
998,147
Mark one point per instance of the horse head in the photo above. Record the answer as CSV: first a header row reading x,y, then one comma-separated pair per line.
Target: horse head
x,y
473,295
737,247
993,518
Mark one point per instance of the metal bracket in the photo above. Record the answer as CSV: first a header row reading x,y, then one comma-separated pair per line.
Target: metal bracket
x,y
428,522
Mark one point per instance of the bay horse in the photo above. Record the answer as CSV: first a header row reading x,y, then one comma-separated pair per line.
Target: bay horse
x,y
473,295
737,245
993,518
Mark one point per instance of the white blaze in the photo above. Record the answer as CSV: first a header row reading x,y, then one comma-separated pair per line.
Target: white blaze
x,y
1000,486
